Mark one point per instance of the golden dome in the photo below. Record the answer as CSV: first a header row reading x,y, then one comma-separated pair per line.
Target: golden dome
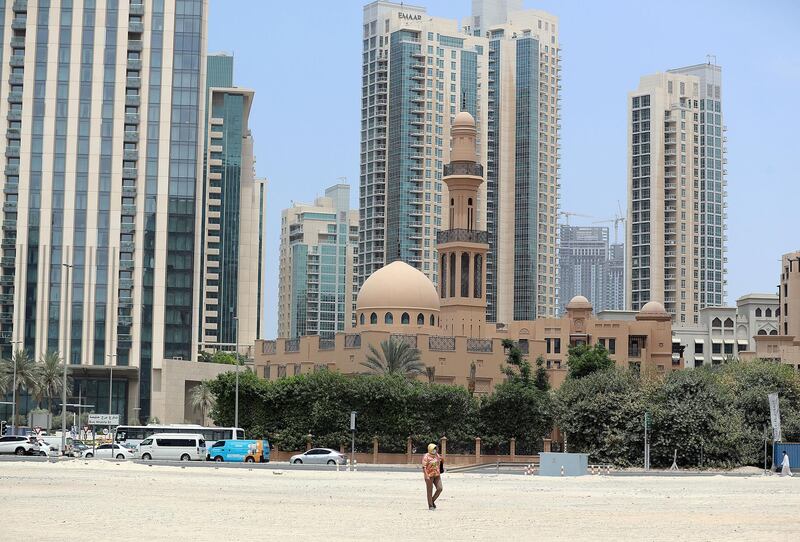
x,y
398,286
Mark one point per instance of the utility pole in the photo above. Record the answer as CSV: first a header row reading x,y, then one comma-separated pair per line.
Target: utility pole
x,y
66,361
646,443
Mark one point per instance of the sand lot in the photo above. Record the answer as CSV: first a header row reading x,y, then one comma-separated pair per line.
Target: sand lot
x,y
78,501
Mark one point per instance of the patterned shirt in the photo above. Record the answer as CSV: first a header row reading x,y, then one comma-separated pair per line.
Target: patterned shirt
x,y
430,465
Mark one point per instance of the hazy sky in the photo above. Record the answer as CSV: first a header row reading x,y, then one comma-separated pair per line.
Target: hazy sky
x,y
303,59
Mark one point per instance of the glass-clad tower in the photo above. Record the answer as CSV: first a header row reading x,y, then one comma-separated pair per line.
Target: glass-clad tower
x,y
101,110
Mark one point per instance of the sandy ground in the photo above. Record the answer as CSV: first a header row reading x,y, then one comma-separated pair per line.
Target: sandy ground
x,y
74,500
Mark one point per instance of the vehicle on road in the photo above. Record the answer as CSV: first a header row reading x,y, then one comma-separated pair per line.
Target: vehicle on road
x,y
55,442
248,451
79,448
133,435
319,456
173,447
104,451
18,445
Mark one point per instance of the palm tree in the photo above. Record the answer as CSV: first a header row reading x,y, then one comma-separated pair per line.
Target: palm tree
x,y
395,357
27,374
5,377
51,377
201,397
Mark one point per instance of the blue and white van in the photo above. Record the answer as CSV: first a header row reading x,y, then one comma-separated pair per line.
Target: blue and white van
x,y
247,451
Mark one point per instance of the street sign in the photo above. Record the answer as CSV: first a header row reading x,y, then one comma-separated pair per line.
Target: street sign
x,y
103,419
353,420
775,416
648,421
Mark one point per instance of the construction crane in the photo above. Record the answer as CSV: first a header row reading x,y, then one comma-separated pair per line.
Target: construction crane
x,y
619,217
567,214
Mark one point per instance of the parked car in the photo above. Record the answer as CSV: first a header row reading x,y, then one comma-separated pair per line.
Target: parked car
x,y
79,448
104,451
18,446
319,456
173,447
249,451
46,449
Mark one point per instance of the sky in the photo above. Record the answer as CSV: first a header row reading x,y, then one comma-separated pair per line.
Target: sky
x,y
303,59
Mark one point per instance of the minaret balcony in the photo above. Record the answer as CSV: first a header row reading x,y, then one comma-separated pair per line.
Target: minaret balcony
x,y
462,236
463,168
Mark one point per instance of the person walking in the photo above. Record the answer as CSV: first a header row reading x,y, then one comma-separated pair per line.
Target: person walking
x,y
432,469
786,469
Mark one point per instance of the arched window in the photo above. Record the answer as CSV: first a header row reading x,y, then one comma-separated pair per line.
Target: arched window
x,y
716,322
444,276
420,319
452,212
362,319
405,319
464,274
452,274
433,321
773,332
768,313
478,276
470,213
728,322
388,319
762,331
373,318
758,312
777,312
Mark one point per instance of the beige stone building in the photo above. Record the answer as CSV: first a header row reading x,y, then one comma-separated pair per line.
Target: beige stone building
x,y
449,325
676,193
317,283
785,346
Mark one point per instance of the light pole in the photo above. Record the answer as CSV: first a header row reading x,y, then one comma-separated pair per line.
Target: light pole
x,y
66,356
110,378
14,389
236,408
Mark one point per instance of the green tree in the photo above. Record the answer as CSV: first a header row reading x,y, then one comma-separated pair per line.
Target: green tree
x,y
202,397
518,410
584,360
541,378
51,378
221,357
601,414
27,371
518,368
394,357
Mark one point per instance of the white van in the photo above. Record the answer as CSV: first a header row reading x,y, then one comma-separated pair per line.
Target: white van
x,y
173,447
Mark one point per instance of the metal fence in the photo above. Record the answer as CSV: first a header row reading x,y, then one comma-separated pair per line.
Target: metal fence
x,y
291,345
479,345
441,344
352,341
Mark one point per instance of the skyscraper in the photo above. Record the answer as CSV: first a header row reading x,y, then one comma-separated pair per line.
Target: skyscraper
x,y
317,285
418,72
583,261
676,192
234,207
615,286
102,184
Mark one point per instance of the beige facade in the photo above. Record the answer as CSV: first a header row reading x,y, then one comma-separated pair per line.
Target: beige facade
x,y
317,283
449,326
784,347
676,193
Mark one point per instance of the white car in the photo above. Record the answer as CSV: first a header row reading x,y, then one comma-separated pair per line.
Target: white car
x,y
318,456
18,445
104,452
46,449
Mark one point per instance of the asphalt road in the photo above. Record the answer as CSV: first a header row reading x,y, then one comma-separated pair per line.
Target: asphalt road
x,y
518,469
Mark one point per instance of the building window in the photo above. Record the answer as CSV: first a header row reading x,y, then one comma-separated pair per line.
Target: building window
x,y
768,313
762,331
453,274
716,322
698,348
758,312
556,346
433,321
373,318
464,274
362,319
728,322
478,276
716,348
444,276
612,346
728,348
774,331
405,319
388,319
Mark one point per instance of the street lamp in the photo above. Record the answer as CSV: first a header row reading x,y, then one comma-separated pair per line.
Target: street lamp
x,y
14,389
110,378
66,356
236,410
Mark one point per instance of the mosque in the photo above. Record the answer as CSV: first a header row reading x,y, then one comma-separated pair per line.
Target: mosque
x,y
449,327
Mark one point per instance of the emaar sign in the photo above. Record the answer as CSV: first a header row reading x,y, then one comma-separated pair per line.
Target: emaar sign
x,y
410,16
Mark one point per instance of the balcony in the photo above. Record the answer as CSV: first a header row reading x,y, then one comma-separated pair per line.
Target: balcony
x,y
134,45
133,82
462,236
15,115
20,6
130,155
129,173
291,345
132,118
352,341
134,64
133,101
16,79
131,137
15,97
136,27
463,168
479,345
19,24
441,344
12,170
12,152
